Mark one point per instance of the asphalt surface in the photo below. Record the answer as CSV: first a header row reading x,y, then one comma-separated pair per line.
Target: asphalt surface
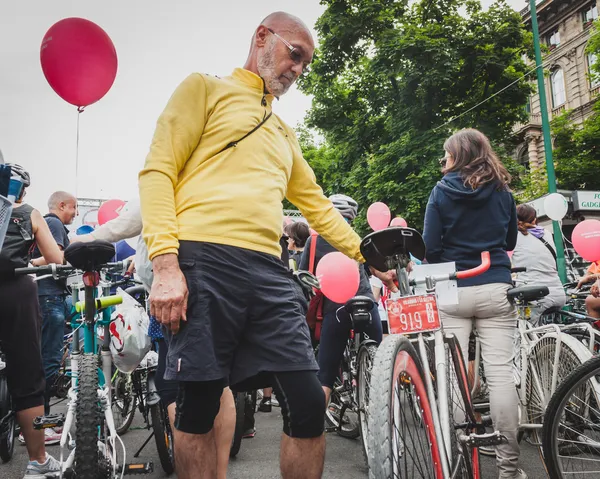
x,y
259,457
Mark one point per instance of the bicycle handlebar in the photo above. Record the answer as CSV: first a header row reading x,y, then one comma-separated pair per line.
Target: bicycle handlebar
x,y
101,303
486,262
46,269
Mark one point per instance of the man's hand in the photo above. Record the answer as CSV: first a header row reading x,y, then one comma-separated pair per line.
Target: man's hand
x,y
595,291
169,294
386,278
82,238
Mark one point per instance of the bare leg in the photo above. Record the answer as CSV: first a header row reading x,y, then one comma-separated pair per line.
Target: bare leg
x,y
171,408
224,430
302,458
267,392
593,306
327,392
34,440
195,455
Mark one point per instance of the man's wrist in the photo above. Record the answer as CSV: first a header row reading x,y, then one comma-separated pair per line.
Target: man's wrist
x,y
165,262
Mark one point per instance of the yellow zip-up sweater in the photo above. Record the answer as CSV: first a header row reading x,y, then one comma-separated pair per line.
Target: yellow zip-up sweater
x,y
191,191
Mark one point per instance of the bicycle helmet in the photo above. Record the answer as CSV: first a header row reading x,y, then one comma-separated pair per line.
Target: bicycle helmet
x,y
345,205
19,172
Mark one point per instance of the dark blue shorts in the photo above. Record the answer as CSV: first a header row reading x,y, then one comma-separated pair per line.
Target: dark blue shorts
x,y
245,318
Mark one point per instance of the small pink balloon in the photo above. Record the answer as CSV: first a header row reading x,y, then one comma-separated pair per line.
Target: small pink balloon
x,y
510,254
338,276
586,240
397,221
379,216
109,210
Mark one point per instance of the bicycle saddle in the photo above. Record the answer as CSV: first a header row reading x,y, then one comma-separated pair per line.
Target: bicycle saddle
x,y
382,249
89,256
527,293
359,309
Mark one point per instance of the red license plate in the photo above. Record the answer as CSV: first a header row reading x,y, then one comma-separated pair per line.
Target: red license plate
x,y
413,314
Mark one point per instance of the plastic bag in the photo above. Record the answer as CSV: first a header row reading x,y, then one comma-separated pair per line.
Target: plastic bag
x,y
129,342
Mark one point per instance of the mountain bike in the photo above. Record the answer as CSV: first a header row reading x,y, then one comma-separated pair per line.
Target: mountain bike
x,y
423,424
7,415
571,434
94,453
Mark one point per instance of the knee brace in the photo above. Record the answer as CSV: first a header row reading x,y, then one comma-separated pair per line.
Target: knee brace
x,y
302,402
198,404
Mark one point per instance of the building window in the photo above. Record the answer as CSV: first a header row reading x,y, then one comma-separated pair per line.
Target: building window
x,y
523,158
594,80
557,82
553,39
590,13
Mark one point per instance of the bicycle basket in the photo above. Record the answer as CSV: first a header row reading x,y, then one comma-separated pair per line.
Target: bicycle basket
x,y
5,212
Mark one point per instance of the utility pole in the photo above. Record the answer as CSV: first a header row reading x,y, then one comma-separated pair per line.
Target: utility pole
x,y
560,252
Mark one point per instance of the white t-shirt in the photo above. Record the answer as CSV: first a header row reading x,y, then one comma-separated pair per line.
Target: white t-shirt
x,y
377,284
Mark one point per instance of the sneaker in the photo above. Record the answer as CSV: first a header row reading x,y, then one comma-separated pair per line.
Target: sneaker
x,y
520,474
52,437
274,402
265,405
50,468
249,433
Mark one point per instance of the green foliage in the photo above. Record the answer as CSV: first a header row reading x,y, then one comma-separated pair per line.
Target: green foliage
x,y
388,78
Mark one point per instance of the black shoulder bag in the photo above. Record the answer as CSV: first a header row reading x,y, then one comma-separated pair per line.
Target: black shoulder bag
x,y
234,143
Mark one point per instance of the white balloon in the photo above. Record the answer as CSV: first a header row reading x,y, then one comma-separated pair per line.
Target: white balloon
x,y
556,206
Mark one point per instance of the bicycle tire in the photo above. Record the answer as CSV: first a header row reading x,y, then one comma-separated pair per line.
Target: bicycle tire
x,y
7,433
550,433
240,409
122,421
87,414
542,358
397,366
349,429
163,436
366,356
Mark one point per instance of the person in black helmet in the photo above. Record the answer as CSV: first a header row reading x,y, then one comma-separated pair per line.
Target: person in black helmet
x,y
336,321
21,324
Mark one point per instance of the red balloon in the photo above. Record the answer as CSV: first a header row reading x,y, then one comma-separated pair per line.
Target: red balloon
x,y
79,61
338,276
397,221
109,210
586,240
378,216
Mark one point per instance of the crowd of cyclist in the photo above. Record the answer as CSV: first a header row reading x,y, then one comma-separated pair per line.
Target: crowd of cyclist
x,y
218,266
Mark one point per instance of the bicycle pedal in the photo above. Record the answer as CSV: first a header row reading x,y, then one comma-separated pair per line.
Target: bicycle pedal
x,y
132,469
46,422
483,440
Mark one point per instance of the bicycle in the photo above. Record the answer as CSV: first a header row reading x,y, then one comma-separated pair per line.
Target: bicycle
x,y
414,431
94,453
350,391
571,434
7,416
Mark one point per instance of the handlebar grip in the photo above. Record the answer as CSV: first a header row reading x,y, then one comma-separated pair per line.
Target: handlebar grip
x,y
486,262
33,269
101,303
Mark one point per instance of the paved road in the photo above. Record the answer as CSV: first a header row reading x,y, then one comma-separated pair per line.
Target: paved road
x,y
259,457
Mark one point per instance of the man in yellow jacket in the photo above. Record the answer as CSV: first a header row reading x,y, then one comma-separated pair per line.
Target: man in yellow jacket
x,y
211,196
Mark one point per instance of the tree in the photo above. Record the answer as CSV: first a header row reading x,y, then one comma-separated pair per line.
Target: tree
x,y
391,81
577,148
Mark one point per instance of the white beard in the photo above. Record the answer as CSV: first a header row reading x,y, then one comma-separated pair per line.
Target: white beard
x,y
266,69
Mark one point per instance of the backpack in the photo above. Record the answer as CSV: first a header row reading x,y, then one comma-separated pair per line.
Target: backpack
x,y
19,241
314,316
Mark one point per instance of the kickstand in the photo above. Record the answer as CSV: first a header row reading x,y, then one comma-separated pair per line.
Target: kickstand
x,y
137,454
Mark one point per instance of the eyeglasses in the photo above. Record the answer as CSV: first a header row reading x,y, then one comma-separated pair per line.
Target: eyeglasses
x,y
295,53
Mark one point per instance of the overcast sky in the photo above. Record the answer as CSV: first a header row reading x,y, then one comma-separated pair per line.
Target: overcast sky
x,y
158,43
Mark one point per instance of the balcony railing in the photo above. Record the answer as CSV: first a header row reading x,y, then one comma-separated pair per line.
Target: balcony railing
x,y
594,91
535,119
558,110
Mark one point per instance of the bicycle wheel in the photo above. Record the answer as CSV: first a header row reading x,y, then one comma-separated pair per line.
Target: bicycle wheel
x,y
460,408
240,409
542,363
341,408
123,403
7,426
402,440
163,436
87,414
571,434
366,356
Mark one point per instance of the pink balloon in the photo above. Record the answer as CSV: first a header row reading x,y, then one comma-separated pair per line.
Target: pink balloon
x,y
287,221
397,221
109,210
79,61
339,277
379,216
586,240
510,254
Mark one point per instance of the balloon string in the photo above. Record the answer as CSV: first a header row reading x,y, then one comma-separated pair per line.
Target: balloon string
x,y
79,111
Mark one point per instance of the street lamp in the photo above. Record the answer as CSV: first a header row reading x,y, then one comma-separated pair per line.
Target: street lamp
x,y
560,252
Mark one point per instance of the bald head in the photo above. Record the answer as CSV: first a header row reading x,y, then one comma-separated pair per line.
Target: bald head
x,y
282,48
63,205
